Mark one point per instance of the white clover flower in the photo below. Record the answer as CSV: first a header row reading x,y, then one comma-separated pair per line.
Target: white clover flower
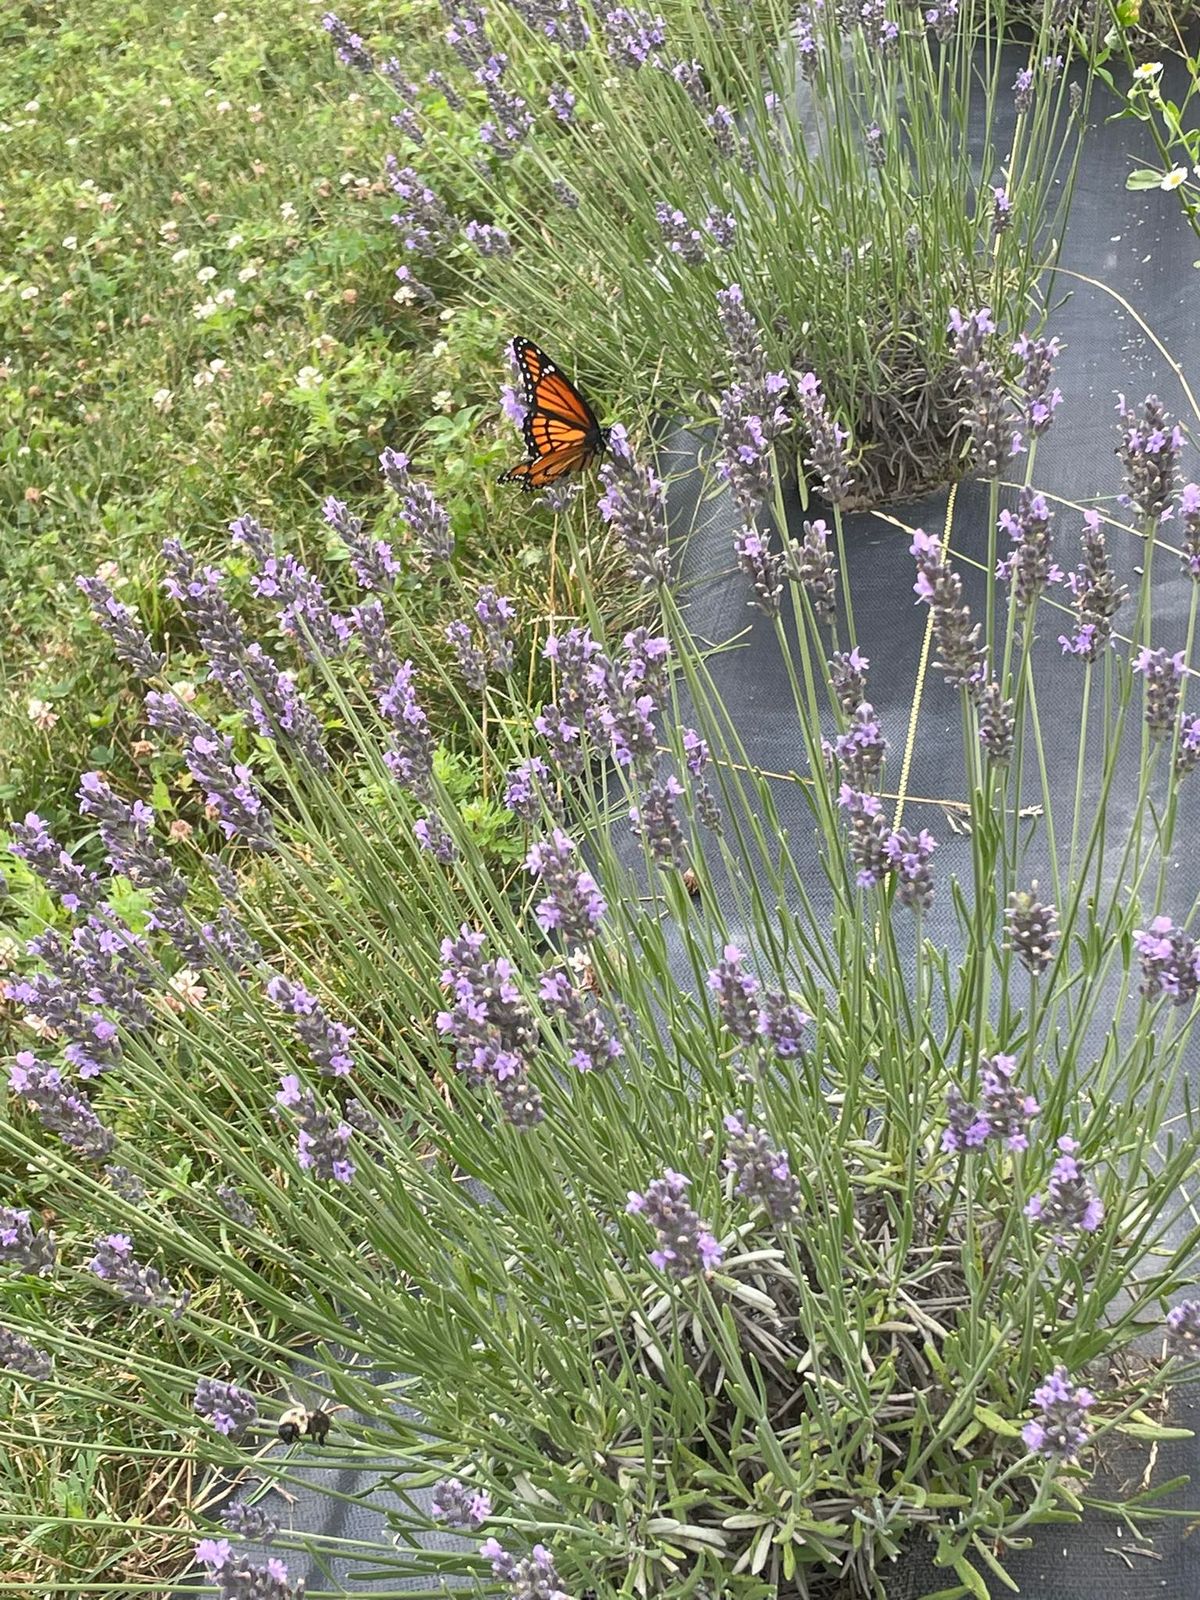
x,y
41,713
309,378
287,211
206,274
204,310
162,400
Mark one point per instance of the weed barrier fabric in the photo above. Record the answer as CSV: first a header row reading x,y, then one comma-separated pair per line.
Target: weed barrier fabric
x,y
1139,251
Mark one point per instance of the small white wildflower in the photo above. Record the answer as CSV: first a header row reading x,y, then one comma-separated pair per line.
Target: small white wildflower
x,y
206,274
245,275
30,292
70,242
287,211
1173,179
226,297
205,309
308,378
224,105
233,241
1147,70
42,714
162,399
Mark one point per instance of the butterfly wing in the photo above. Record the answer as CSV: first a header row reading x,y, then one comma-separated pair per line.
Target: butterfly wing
x,y
562,433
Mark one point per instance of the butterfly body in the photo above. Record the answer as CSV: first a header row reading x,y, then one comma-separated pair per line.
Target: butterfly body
x,y
562,432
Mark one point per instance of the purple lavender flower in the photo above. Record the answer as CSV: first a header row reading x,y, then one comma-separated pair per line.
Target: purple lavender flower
x,y
470,660
1163,675
678,234
781,1022
321,1139
527,788
908,855
467,33
327,1042
940,588
810,564
533,1578
689,75
433,836
1001,210
1023,90
1029,566
488,239
591,1044
351,50
1189,510
1096,592
634,506
411,289
129,641
440,83
721,227
749,420
238,1579
826,440
1183,1329
1062,1429
966,1127
761,1174
424,222
229,788
248,1522
656,821
496,614
421,513
58,1108
490,1026
572,905
583,673
1149,452
753,550
305,614
24,1247
1170,962
125,1183
1039,400
997,725
371,560
232,1411
984,413
859,751
564,196
695,751
1031,929
848,675
743,340
1070,1204
18,1355
234,1204
562,739
736,994
685,1243
460,1505
139,1285
1005,1113
561,101
868,836
1187,754
34,844
631,36
722,124
511,121
942,18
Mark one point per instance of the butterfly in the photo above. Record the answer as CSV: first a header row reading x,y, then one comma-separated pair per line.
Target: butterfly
x,y
561,431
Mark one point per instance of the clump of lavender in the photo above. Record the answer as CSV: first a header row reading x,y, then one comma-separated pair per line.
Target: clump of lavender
x,y
685,1244
424,222
229,788
1031,929
33,843
1062,1428
827,440
410,753
305,614
632,36
21,1245
129,641
423,515
656,821
1164,675
859,751
327,1042
351,51
781,1024
488,239
1005,1112
1029,566
433,836
1149,451
529,787
511,121
678,234
997,723
810,564
1189,511
1039,400
235,1205
984,413
591,1043
908,856
140,1285
940,588
1170,962
440,83
1183,1329
533,1578
467,33
322,1140
239,1579
58,1108
248,1522
1070,1204
572,904
460,1505
761,1174
232,1411
1096,592
18,1355
634,506
736,992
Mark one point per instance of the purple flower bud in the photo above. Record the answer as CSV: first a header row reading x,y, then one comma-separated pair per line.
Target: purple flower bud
x,y
321,1138
18,1355
656,821
1170,962
810,564
460,1505
572,905
1149,451
1183,1329
248,1522
421,513
1163,675
1070,1205
21,1246
232,1411
351,51
58,1108
129,641
685,1243
761,1174
327,1042
736,991
1062,1428
140,1285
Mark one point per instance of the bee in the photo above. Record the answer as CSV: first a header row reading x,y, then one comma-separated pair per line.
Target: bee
x,y
298,1419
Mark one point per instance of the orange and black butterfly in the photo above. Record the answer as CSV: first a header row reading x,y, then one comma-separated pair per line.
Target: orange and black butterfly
x,y
562,433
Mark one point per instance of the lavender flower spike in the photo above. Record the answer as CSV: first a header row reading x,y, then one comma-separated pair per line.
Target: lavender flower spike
x,y
18,1355
372,561
230,1409
129,640
634,506
686,1245
59,1109
762,1174
33,843
321,1139
1070,1205
21,1246
1061,1430
573,904
326,1041
139,1285
426,519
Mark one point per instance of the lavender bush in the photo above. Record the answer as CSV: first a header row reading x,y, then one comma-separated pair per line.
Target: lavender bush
x,y
672,151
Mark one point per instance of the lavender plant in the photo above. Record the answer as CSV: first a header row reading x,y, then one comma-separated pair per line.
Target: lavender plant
x,y
700,1210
